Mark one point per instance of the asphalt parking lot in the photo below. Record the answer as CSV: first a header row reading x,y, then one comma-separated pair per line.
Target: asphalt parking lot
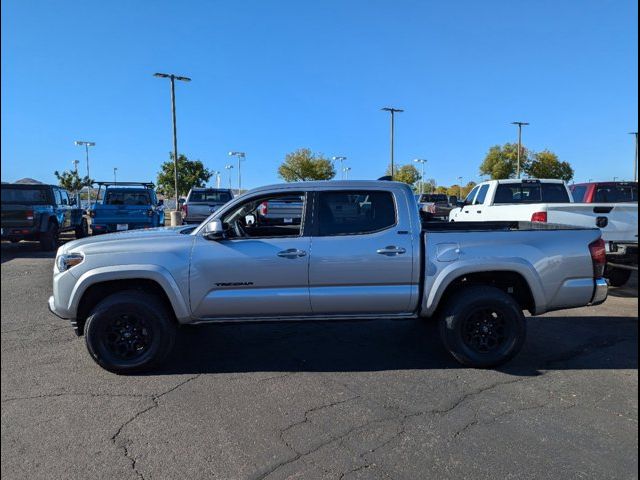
x,y
320,400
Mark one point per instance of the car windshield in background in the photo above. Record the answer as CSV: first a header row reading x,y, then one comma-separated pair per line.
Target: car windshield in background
x,y
209,196
616,193
127,197
533,192
25,196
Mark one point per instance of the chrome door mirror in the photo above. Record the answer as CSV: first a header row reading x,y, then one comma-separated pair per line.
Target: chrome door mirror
x,y
214,230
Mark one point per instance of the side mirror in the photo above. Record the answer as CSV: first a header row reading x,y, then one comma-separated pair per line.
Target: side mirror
x,y
214,230
460,203
160,202
181,201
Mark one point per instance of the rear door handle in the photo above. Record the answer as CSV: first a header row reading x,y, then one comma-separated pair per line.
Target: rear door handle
x,y
391,250
292,253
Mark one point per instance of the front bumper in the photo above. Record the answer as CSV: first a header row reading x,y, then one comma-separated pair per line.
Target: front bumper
x,y
600,292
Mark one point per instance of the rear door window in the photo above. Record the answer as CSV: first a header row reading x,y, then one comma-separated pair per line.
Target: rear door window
x,y
354,212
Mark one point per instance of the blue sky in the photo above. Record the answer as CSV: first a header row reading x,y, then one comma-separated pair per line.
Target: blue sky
x,y
273,76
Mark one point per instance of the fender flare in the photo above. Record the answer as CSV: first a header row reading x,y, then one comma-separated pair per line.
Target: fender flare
x,y
447,275
156,273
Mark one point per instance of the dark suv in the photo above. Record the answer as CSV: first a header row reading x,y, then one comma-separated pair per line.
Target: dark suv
x,y
40,212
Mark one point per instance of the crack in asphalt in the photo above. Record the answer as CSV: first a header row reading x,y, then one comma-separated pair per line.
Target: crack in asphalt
x,y
73,394
155,399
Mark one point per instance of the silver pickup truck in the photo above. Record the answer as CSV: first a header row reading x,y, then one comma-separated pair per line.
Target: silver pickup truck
x,y
360,252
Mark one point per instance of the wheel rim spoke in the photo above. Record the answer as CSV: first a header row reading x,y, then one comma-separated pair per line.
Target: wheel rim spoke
x,y
128,336
484,330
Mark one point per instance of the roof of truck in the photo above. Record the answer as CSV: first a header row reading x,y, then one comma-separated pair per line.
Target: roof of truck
x,y
333,184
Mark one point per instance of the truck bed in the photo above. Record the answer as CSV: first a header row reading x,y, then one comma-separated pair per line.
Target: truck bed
x,y
431,226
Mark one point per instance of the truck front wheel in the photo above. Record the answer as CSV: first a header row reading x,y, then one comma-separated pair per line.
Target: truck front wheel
x,y
482,326
129,332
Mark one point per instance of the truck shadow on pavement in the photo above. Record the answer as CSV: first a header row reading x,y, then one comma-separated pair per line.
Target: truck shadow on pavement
x,y
553,343
11,251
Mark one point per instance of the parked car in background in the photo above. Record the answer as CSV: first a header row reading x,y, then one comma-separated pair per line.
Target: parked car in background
x,y
605,192
437,205
40,212
280,211
360,253
550,201
202,202
125,206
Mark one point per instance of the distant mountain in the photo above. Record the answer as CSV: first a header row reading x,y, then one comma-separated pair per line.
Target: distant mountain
x,y
28,181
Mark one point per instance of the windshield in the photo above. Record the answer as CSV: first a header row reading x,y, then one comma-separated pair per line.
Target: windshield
x,y
25,196
531,192
127,197
218,196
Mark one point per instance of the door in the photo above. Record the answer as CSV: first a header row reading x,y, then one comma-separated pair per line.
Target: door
x,y
257,270
467,212
361,254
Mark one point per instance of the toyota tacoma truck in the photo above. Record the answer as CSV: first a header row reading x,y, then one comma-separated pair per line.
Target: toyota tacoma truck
x,y
40,212
551,201
359,252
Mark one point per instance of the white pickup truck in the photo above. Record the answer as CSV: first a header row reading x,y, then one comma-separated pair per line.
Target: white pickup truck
x,y
550,201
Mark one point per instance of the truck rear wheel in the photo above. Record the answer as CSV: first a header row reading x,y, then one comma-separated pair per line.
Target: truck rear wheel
x,y
129,332
482,326
49,239
82,230
617,277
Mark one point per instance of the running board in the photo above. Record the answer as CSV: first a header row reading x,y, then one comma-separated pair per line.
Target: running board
x,y
315,318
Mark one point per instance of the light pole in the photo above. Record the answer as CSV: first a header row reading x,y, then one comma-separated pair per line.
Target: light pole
x,y
75,169
392,111
520,125
217,175
460,185
635,161
228,168
340,159
175,216
86,145
615,178
115,174
421,161
346,171
240,156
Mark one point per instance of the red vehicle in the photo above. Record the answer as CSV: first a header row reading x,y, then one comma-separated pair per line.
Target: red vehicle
x,y
605,192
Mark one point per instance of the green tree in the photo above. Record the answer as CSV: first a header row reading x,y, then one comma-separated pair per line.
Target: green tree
x,y
304,165
71,181
405,173
546,164
454,190
191,173
501,162
441,189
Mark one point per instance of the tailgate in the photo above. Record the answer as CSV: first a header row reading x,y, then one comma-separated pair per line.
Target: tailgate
x,y
122,214
17,216
201,209
618,222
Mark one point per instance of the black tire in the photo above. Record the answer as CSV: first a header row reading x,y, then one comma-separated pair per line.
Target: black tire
x,y
14,240
617,277
82,230
129,332
49,239
482,327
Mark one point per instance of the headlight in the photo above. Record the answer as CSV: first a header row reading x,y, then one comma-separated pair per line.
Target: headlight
x,y
66,261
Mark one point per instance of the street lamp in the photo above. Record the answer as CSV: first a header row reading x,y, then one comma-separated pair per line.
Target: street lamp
x,y
392,111
216,173
75,169
421,161
86,145
176,214
519,124
240,156
228,168
460,185
115,170
346,171
635,162
340,159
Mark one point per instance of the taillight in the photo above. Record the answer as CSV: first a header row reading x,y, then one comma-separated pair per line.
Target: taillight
x,y
539,217
264,208
598,257
29,214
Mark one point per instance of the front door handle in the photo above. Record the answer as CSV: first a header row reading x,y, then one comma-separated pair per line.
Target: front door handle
x,y
391,250
292,253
